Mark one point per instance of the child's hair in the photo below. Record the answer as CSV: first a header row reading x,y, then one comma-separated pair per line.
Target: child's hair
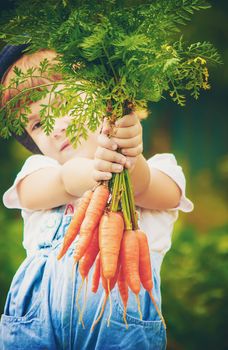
x,y
25,62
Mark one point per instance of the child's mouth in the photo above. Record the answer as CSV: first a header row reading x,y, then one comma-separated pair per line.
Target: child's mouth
x,y
65,145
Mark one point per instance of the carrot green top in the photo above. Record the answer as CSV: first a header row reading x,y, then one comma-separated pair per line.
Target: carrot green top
x,y
120,55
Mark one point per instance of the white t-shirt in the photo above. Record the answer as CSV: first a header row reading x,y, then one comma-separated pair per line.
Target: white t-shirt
x,y
39,225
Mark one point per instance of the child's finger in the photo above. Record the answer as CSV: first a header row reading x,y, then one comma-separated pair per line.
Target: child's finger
x,y
127,120
111,156
133,152
128,132
101,176
107,167
106,142
128,143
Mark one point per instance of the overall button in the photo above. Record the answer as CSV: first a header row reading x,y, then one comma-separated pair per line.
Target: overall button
x,y
49,227
52,221
49,221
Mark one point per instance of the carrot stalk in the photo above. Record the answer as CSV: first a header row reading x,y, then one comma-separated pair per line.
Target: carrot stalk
x,y
115,193
131,199
125,204
75,224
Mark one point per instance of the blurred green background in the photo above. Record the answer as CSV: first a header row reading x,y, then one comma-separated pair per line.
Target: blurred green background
x,y
195,271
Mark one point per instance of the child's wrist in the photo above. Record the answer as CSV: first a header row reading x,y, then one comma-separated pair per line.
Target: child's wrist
x,y
140,175
76,175
131,163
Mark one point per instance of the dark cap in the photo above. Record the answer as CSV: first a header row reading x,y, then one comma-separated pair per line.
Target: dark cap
x,y
8,55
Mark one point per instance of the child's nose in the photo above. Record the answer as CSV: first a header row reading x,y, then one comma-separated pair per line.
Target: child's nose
x,y
59,127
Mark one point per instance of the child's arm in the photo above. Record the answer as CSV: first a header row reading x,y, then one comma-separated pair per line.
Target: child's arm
x,y
159,192
50,187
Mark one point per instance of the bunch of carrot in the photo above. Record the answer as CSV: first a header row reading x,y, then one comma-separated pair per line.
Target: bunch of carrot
x,y
110,239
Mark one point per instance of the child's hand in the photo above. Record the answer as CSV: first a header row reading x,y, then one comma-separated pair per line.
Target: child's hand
x,y
127,137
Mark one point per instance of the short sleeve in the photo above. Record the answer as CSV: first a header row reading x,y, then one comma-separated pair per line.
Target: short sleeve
x,y
33,163
166,162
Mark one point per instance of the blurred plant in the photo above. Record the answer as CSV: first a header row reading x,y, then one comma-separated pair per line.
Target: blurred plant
x,y
195,289
11,250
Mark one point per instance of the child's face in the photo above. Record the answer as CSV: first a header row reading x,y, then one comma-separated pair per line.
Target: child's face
x,y
53,145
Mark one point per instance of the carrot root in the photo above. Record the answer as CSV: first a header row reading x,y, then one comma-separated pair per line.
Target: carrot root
x,y
100,315
84,304
77,297
124,317
73,270
110,304
157,308
139,308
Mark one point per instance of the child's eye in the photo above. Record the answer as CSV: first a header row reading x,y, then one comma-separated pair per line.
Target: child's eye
x,y
36,125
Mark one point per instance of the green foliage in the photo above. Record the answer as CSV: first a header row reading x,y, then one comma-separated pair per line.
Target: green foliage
x,y
11,252
195,289
118,53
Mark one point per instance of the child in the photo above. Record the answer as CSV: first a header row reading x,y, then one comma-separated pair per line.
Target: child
x,y
41,307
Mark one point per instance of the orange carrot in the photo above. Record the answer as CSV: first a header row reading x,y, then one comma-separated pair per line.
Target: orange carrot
x,y
145,268
109,284
76,222
96,275
89,257
130,260
93,214
110,235
123,290
144,261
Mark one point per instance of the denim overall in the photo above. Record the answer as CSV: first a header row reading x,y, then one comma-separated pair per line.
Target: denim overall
x,y
41,310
